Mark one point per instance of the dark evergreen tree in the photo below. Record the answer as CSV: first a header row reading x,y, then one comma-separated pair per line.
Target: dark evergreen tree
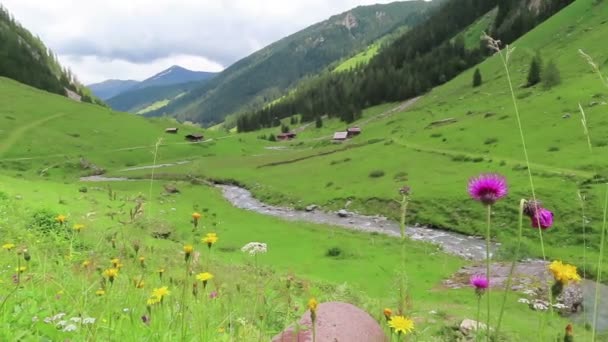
x,y
271,137
284,128
318,122
534,72
477,78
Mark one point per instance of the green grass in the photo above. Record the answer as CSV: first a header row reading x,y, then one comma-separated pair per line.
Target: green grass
x,y
359,59
154,106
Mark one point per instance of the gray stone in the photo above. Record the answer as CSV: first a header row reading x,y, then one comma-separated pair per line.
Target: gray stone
x,y
468,325
572,298
335,321
311,207
343,213
566,116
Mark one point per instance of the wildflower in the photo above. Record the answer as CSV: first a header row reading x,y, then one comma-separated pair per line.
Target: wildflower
x,y
88,320
111,274
213,295
61,219
480,283
542,218
254,248
69,328
210,239
158,295
563,273
76,319
78,227
20,269
569,336
204,277
142,261
195,217
100,292
61,324
312,306
405,190
115,262
540,306
188,249
86,263
8,246
559,306
401,324
523,300
58,316
488,188
387,314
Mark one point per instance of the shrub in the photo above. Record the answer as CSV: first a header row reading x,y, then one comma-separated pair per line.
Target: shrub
x,y
44,221
376,174
534,71
271,137
553,149
333,252
490,141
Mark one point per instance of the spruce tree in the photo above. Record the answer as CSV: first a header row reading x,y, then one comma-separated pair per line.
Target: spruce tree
x,y
318,122
535,70
477,78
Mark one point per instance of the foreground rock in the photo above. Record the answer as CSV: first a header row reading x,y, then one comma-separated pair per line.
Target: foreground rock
x,y
336,321
467,326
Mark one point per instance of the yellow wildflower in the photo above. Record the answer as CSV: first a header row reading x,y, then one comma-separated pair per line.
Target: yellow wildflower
x,y
564,273
388,313
188,249
205,276
115,262
20,269
196,216
100,292
161,292
86,263
313,304
153,300
401,324
111,273
8,246
61,219
210,239
78,227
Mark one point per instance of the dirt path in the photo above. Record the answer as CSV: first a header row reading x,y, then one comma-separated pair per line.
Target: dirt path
x,y
14,136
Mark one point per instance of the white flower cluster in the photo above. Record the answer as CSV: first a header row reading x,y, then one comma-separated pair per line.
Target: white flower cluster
x,y
540,305
254,248
523,300
65,325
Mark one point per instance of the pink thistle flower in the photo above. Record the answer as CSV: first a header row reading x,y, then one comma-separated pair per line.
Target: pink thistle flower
x,y
542,219
488,188
479,282
213,295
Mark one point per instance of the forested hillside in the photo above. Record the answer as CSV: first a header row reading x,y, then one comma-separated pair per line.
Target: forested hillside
x,y
263,76
422,58
25,58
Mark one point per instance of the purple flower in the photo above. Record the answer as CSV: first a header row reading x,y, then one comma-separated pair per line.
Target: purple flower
x,y
213,294
479,282
542,218
488,188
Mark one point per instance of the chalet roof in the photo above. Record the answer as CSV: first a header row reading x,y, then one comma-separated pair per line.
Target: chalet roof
x,y
171,129
195,135
354,129
340,135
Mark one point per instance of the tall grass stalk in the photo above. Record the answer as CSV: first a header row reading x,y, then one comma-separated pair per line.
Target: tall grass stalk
x,y
522,203
489,221
156,146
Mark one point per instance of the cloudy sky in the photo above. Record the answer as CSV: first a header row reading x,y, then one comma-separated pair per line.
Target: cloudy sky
x,y
134,39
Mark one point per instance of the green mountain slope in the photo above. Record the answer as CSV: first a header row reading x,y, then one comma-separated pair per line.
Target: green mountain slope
x,y
25,58
138,99
264,75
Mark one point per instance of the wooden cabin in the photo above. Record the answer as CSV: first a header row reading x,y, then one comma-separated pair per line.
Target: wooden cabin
x,y
353,131
194,137
171,130
286,136
340,136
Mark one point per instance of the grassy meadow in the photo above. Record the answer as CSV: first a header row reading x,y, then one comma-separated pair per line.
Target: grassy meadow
x,y
48,142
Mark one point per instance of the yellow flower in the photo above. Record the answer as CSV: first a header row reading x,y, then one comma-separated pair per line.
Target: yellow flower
x,y
196,216
142,261
401,324
78,227
152,300
221,330
210,239
161,270
161,292
205,276
188,249
100,292
313,304
61,219
388,313
111,273
86,263
564,273
8,246
115,262
20,269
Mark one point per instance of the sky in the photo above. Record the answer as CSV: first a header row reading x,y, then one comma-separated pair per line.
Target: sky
x,y
135,39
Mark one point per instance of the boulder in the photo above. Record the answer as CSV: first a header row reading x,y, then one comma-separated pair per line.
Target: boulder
x,y
336,321
571,298
343,213
468,325
311,207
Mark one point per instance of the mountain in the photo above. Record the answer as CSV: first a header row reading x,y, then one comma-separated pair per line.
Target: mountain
x,y
264,75
134,96
428,55
174,75
110,88
25,58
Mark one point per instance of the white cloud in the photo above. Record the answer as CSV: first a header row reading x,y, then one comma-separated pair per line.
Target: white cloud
x,y
127,39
